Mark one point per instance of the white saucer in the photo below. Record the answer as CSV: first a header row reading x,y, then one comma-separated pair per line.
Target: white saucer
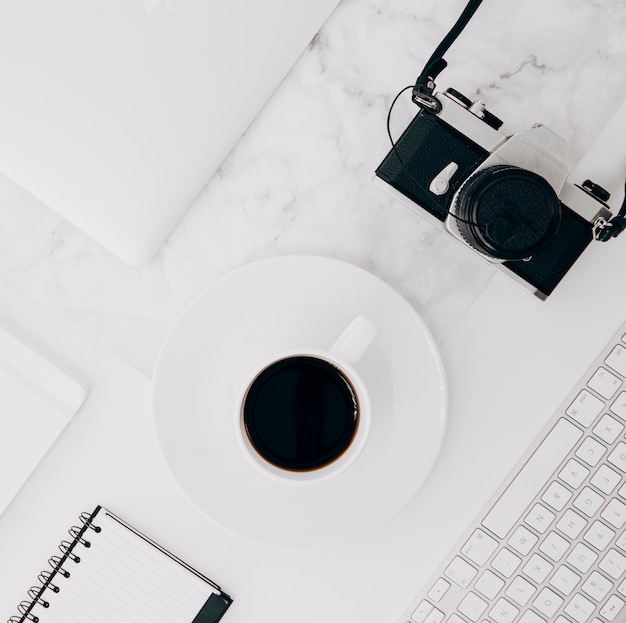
x,y
289,303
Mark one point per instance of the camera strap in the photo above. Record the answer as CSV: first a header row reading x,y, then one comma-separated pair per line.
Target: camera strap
x,y
604,230
425,83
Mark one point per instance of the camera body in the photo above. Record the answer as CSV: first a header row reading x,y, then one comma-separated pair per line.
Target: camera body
x,y
507,198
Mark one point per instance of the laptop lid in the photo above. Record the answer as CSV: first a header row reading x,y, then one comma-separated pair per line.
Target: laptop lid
x,y
116,113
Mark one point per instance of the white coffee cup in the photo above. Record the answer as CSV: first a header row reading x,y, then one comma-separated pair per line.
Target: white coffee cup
x,y
304,415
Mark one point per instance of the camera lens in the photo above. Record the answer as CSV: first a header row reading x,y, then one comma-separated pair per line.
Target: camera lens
x,y
507,213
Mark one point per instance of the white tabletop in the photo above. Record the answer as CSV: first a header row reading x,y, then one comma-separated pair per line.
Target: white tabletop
x,y
300,182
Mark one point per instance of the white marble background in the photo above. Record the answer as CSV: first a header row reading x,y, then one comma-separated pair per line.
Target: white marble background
x,y
299,181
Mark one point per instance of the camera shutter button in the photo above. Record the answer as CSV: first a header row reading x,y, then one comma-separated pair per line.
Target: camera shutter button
x,y
441,183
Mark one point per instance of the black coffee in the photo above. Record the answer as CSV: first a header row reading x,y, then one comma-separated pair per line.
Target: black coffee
x,y
301,413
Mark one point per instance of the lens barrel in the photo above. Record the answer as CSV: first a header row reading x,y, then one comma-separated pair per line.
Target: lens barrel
x,y
507,213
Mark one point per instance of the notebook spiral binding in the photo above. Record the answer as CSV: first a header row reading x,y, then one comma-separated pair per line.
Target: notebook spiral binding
x,y
56,562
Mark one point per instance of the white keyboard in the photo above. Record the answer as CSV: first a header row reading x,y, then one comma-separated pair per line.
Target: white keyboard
x,y
550,546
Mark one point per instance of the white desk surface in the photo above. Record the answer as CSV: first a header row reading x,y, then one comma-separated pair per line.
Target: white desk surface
x,y
299,182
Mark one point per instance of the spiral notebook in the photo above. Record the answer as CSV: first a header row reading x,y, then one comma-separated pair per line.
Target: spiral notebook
x,y
111,573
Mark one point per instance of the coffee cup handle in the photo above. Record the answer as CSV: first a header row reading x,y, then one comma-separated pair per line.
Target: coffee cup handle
x,y
355,339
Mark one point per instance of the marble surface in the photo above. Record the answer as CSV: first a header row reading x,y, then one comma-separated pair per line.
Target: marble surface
x,y
300,180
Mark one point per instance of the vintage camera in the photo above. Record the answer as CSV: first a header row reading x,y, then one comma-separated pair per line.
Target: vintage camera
x,y
508,198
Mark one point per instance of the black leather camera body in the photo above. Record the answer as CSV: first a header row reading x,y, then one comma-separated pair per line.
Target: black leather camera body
x,y
508,198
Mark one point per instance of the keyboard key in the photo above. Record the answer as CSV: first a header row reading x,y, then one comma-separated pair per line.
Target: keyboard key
x,y
615,513
565,580
479,547
604,383
571,524
434,616
588,502
619,406
590,451
617,360
472,606
531,478
597,586
579,608
548,602
608,428
556,496
618,456
504,611
599,535
614,564
540,518
585,408
438,590
531,617
520,591
460,572
424,608
621,541
582,557
606,479
489,584
554,546
506,562
612,608
537,568
522,540
574,474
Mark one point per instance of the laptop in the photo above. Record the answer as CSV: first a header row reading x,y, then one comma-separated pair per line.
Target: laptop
x,y
117,113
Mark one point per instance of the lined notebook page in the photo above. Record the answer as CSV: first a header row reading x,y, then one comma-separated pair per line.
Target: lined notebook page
x,y
123,577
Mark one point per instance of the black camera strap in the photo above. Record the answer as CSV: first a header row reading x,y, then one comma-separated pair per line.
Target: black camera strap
x,y
425,83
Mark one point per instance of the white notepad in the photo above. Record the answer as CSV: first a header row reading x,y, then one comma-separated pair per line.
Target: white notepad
x,y
111,573
37,400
